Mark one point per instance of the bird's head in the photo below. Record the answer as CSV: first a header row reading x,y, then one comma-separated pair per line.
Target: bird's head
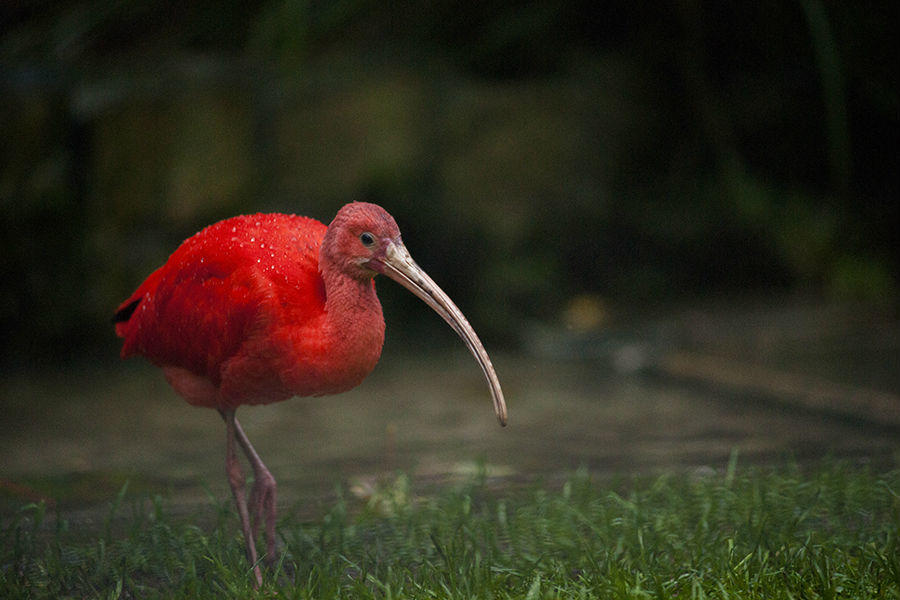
x,y
358,237
363,240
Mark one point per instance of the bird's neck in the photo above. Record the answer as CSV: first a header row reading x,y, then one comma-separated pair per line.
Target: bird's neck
x,y
351,304
354,323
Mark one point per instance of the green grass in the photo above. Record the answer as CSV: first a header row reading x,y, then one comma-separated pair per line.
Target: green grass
x,y
827,533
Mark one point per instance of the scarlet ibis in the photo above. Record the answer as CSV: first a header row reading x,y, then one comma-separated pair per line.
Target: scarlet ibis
x,y
259,308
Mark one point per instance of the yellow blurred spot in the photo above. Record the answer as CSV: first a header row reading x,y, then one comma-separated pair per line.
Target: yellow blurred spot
x,y
585,312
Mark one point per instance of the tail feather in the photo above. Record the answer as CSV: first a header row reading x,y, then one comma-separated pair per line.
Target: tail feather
x,y
123,316
124,313
126,310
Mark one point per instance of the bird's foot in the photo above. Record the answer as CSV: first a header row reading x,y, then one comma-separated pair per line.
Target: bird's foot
x,y
262,505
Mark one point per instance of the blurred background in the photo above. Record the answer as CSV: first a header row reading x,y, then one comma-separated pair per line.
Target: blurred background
x,y
664,203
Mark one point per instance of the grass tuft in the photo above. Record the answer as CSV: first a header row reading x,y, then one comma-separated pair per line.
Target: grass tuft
x,y
745,533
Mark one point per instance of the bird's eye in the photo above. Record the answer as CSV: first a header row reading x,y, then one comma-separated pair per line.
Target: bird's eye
x,y
367,239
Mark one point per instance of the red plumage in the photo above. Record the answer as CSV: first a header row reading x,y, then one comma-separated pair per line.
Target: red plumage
x,y
236,315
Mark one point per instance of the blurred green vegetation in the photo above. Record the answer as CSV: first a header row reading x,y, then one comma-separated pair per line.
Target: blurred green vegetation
x,y
531,152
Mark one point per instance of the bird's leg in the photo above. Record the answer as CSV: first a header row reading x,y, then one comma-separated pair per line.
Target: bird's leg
x,y
264,494
236,480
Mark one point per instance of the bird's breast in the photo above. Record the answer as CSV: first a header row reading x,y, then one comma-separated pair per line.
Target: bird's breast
x,y
333,357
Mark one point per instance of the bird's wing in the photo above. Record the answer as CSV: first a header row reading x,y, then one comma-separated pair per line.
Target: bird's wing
x,y
220,288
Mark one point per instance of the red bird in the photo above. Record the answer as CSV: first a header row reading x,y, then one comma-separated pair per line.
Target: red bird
x,y
259,308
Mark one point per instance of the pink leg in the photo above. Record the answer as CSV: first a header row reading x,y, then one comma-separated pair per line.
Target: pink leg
x,y
264,494
236,480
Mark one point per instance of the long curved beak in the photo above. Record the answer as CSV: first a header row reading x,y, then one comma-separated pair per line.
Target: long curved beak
x,y
399,266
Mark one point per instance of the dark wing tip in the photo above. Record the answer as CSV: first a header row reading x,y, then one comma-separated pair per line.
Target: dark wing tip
x,y
124,313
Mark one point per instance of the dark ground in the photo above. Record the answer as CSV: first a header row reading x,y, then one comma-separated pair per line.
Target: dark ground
x,y
786,381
